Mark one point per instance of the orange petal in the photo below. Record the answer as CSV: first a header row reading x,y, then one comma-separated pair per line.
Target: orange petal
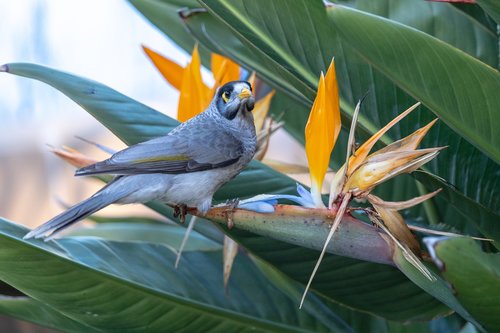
x,y
224,70
261,110
194,94
363,151
252,79
170,70
322,129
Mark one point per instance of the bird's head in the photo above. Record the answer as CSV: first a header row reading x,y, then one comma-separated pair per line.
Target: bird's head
x,y
234,98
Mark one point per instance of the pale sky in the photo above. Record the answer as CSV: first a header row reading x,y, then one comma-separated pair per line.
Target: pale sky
x,y
96,39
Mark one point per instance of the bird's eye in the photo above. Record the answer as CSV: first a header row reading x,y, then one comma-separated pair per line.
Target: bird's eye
x,y
225,96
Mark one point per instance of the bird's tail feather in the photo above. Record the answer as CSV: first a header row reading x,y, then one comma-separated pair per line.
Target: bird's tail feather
x,y
75,214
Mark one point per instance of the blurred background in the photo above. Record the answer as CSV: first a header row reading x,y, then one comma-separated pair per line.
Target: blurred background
x,y
100,40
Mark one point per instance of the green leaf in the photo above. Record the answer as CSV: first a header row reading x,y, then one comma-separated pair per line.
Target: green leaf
x,y
170,235
443,21
24,308
134,287
448,81
492,7
437,288
474,276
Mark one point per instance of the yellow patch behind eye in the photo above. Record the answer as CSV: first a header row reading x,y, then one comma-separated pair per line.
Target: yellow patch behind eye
x,y
225,96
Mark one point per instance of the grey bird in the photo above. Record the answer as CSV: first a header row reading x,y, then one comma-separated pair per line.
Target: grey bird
x,y
184,168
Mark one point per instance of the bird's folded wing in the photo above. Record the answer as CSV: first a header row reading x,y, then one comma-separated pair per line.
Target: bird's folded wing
x,y
171,154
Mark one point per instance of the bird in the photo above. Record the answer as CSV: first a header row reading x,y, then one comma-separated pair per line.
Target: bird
x,y
183,168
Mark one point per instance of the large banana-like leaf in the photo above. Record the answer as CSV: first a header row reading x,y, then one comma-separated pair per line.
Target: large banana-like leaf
x,y
461,90
134,287
369,287
454,163
172,235
441,20
474,275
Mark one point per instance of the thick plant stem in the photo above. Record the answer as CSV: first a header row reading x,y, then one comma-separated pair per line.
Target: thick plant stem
x,y
309,228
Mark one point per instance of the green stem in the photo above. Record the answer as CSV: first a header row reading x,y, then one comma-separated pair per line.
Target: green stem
x,y
309,228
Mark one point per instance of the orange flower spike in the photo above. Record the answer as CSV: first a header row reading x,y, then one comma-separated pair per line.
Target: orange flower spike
x,y
194,94
171,71
322,129
224,70
362,152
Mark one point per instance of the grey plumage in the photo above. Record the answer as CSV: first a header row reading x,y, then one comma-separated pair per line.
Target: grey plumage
x,y
184,167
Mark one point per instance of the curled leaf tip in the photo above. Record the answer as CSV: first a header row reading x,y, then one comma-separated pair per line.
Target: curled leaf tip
x,y
4,68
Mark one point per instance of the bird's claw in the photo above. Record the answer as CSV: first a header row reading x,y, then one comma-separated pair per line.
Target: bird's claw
x,y
180,212
231,206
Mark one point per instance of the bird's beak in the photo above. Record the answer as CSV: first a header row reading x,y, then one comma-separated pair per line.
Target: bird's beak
x,y
245,93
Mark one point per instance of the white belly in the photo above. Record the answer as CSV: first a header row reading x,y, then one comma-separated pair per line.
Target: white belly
x,y
192,189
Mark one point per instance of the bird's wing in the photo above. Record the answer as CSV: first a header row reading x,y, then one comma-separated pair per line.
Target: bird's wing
x,y
182,152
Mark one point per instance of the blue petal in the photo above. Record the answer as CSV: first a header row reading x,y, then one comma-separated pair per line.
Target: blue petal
x,y
306,196
264,203
258,206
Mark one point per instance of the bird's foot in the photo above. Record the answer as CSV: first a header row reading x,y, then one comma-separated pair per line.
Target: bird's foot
x,y
230,207
180,212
